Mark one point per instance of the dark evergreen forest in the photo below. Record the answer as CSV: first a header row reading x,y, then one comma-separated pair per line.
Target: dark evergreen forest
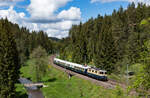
x,y
9,61
26,41
16,45
109,42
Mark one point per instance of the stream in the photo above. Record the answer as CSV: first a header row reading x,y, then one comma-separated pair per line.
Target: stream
x,y
33,91
35,94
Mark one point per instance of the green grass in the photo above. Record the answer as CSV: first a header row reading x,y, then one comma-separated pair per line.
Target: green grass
x,y
26,71
62,87
117,77
59,86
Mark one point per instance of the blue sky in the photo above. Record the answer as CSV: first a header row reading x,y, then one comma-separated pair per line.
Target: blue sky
x,y
56,17
87,8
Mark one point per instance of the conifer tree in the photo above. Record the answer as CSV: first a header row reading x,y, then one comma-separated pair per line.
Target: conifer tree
x,y
106,55
107,40
9,63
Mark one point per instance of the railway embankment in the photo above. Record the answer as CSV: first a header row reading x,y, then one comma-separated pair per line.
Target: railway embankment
x,y
110,84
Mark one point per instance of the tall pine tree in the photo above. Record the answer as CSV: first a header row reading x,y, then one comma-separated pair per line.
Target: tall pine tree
x,y
9,63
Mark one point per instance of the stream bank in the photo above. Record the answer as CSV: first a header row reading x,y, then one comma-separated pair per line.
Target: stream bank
x,y
33,91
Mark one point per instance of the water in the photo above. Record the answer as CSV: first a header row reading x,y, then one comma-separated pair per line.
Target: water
x,y
35,94
33,91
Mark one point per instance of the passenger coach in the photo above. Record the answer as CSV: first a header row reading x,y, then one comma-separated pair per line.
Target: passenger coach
x,y
86,70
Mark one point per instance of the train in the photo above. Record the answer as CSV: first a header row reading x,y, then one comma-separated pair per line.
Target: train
x,y
92,72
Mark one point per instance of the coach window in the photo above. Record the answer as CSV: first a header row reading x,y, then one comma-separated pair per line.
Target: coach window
x,y
100,72
95,71
92,70
89,69
76,67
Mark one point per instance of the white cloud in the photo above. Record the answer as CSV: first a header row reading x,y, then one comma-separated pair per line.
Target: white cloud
x,y
43,13
18,18
45,8
9,2
135,1
55,29
73,14
103,1
56,33
44,17
12,15
147,2
59,29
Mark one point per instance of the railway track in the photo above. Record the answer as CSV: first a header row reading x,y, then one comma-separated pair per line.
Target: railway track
x,y
110,84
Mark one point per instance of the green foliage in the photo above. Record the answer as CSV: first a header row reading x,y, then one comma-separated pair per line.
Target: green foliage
x,y
106,54
26,71
9,61
59,86
109,41
40,62
143,22
20,91
26,41
136,68
142,80
119,92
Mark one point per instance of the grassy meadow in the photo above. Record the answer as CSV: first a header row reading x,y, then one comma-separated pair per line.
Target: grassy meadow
x,y
60,86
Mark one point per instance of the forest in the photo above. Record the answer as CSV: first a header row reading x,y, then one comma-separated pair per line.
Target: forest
x,y
27,40
111,42
16,45
108,42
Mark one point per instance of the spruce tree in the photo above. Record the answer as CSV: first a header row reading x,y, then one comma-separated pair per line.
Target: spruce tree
x,y
106,55
9,63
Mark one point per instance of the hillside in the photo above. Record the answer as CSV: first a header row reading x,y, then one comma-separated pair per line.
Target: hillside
x,y
54,39
59,86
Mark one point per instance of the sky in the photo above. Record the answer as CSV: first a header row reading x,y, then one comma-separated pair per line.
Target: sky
x,y
56,17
